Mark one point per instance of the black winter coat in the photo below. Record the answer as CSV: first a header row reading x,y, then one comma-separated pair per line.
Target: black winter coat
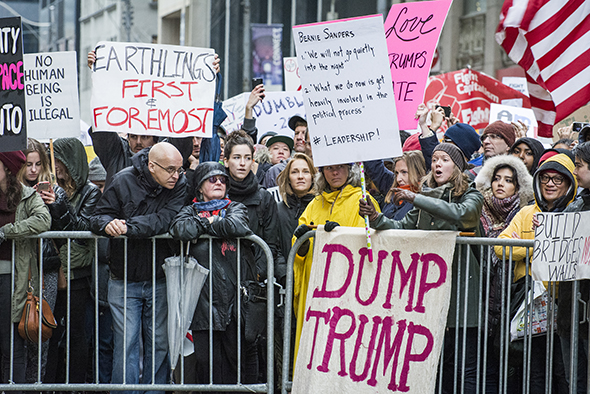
x,y
148,209
263,221
288,219
189,226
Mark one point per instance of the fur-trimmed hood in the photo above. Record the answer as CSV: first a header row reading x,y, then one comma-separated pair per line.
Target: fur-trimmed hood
x,y
483,181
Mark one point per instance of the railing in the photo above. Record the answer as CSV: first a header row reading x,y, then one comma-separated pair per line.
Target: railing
x,y
505,378
180,385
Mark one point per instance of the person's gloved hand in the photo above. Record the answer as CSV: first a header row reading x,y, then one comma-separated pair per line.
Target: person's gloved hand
x,y
329,226
300,230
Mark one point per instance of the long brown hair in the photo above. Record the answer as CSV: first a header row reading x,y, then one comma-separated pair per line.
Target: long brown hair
x,y
68,184
45,174
416,171
13,190
283,178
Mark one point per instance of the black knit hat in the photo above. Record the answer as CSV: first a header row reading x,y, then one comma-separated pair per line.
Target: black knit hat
x,y
455,154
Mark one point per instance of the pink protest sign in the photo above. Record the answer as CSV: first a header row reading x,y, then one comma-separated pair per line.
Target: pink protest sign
x,y
412,31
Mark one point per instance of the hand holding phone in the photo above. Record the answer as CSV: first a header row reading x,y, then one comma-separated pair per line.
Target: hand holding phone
x,y
447,110
42,186
256,82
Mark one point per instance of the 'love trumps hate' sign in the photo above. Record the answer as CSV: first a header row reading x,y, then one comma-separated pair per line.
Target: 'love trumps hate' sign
x,y
375,327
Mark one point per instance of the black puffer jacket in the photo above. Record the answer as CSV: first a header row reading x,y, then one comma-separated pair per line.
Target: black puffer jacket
x,y
147,208
73,213
263,220
189,226
288,219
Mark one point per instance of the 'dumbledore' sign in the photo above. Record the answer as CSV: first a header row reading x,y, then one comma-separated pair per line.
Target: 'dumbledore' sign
x,y
562,246
13,134
149,89
51,84
347,91
375,327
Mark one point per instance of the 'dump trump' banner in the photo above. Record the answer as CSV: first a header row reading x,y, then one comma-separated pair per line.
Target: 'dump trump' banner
x,y
149,89
375,327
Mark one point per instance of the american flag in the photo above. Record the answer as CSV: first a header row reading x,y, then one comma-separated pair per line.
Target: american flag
x,y
550,39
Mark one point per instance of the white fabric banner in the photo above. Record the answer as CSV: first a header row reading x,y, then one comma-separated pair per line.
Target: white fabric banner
x,y
51,85
375,327
149,89
347,90
562,246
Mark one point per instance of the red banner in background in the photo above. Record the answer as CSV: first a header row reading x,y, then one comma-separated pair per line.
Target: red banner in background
x,y
469,94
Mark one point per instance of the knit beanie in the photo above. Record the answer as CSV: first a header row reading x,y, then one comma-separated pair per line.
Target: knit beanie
x,y
465,137
455,154
13,160
96,172
504,130
412,143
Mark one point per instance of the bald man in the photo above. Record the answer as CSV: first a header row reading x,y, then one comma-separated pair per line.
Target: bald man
x,y
140,202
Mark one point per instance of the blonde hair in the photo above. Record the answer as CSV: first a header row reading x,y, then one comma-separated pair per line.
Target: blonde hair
x,y
283,181
416,171
45,174
459,180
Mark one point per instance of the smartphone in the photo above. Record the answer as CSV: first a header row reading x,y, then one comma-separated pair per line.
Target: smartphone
x,y
256,82
577,126
447,110
42,186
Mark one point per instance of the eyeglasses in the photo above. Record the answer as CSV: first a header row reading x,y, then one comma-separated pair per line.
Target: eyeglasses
x,y
171,170
557,180
491,136
220,178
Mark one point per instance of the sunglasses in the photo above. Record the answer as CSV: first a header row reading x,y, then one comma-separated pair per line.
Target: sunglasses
x,y
220,178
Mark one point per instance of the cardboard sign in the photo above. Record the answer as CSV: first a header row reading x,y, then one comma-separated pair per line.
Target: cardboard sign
x,y
13,129
347,90
272,113
291,72
517,83
508,114
469,94
51,85
148,89
375,327
412,31
562,247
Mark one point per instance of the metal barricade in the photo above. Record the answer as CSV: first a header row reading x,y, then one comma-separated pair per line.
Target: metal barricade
x,y
497,368
178,386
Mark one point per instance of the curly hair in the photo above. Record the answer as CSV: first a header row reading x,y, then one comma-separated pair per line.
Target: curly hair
x,y
13,190
283,178
45,173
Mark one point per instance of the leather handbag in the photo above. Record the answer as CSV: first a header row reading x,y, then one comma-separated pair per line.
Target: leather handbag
x,y
28,327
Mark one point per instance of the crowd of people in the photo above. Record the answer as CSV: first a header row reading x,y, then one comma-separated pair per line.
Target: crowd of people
x,y
141,186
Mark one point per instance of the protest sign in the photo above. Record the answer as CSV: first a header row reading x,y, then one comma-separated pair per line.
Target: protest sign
x,y
267,56
562,246
149,89
272,113
347,91
13,130
51,85
291,71
412,31
517,83
508,114
469,94
375,327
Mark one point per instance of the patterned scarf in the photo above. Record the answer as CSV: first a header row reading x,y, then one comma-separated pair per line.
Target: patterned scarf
x,y
211,208
497,214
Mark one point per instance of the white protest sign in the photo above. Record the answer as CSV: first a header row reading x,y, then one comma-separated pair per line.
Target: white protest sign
x,y
375,327
51,87
149,89
272,113
517,83
291,73
347,90
276,193
562,246
508,114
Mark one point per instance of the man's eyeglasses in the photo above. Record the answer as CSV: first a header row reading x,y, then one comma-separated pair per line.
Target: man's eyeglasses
x,y
220,178
557,180
171,170
491,136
